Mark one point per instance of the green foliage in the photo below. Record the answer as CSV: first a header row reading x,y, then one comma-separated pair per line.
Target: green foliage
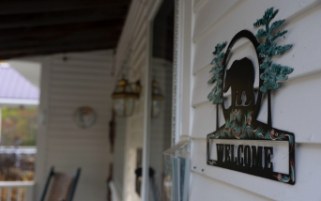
x,y
216,94
268,36
19,126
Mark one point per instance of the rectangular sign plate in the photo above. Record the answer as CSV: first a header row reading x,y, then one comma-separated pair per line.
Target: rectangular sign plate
x,y
271,159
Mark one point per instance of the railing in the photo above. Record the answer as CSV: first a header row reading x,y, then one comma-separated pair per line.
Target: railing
x,y
16,191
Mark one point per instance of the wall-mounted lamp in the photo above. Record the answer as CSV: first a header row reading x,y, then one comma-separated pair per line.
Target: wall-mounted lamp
x,y
124,97
157,99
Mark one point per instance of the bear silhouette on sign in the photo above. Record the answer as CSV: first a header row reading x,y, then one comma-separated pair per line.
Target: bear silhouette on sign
x,y
241,123
240,77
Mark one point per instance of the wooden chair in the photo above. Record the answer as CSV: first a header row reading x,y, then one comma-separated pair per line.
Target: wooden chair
x,y
61,186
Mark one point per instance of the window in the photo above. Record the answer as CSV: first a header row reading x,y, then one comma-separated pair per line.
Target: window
x,y
18,143
19,99
18,126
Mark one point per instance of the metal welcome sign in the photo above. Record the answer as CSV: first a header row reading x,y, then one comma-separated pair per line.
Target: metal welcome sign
x,y
243,143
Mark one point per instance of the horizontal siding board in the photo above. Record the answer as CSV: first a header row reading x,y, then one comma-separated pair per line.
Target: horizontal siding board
x,y
69,128
82,143
292,103
307,175
141,58
82,63
139,21
70,123
70,118
80,75
210,13
140,37
207,189
77,156
198,4
304,33
307,48
306,74
139,53
101,56
202,88
105,97
205,120
63,83
240,19
138,66
240,49
67,106
95,179
82,91
295,107
82,66
78,94
83,100
81,69
77,82
67,133
74,149
64,120
99,78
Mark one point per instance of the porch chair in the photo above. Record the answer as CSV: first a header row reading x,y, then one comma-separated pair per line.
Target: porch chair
x,y
61,186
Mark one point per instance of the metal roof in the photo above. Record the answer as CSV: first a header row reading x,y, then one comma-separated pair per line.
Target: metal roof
x,y
15,89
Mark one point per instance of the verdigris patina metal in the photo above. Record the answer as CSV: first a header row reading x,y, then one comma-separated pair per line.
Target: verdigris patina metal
x,y
243,143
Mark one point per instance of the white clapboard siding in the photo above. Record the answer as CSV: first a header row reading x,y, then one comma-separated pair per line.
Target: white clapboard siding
x,y
132,58
84,79
295,107
307,177
133,55
197,4
243,18
223,191
119,157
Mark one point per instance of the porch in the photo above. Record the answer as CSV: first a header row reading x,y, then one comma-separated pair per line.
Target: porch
x,y
80,69
73,42
17,191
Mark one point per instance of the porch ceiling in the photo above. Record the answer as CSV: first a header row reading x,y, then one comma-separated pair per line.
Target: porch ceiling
x,y
38,27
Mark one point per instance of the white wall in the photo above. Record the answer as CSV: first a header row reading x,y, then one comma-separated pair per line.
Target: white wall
x,y
160,129
132,57
203,24
81,79
295,107
119,157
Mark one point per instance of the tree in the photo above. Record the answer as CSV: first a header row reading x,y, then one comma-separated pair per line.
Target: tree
x,y
216,94
268,36
19,126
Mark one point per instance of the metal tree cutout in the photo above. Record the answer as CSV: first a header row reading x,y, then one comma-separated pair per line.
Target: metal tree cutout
x,y
216,95
268,36
241,116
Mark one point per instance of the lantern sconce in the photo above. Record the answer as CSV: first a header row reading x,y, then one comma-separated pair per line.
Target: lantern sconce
x,y
125,96
157,99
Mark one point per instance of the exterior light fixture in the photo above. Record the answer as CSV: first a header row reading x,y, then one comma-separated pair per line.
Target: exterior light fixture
x,y
124,97
157,99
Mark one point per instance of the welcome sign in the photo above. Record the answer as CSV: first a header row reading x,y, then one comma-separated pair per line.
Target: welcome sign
x,y
243,143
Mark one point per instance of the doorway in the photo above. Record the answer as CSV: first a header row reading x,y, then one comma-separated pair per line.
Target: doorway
x,y
161,74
